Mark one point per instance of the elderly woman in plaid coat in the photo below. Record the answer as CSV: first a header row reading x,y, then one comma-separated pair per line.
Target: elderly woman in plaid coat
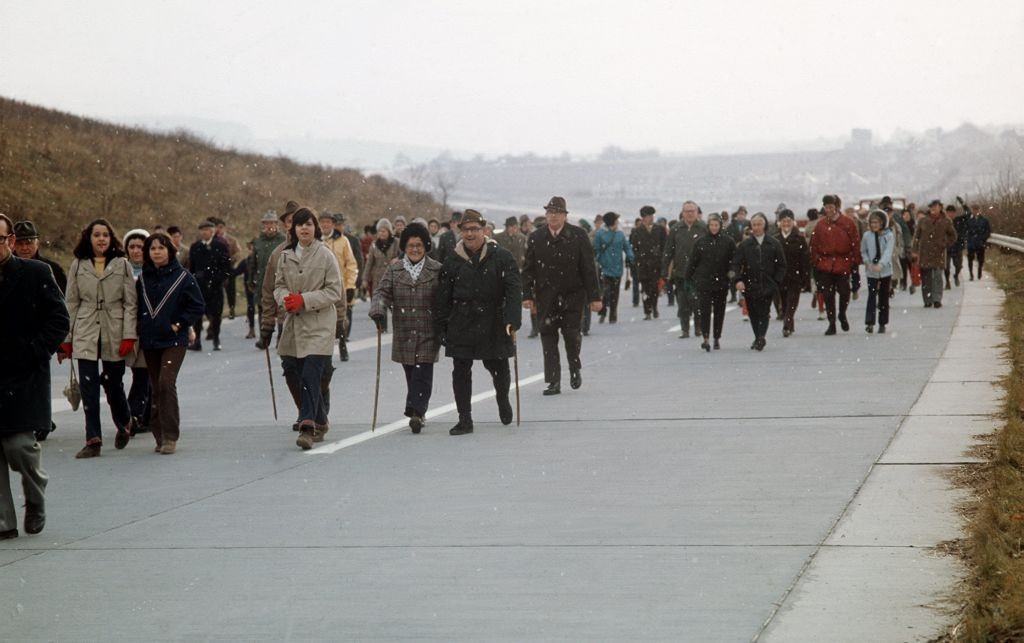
x,y
408,288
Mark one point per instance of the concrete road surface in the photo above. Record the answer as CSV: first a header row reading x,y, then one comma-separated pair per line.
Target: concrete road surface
x,y
678,495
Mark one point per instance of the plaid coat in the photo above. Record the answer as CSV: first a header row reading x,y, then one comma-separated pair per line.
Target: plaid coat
x,y
412,309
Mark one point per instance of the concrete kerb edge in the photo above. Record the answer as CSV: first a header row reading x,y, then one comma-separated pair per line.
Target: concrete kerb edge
x,y
846,508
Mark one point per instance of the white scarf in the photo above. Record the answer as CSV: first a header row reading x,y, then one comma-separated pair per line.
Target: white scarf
x,y
414,269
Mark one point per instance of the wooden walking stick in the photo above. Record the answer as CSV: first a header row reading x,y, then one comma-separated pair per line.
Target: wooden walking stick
x,y
515,365
270,374
376,387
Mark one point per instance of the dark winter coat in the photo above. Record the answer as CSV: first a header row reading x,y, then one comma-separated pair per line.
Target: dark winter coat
x,y
515,243
760,266
183,306
211,265
560,268
735,230
679,248
445,246
710,262
58,273
412,305
978,232
798,260
33,323
477,297
960,225
648,246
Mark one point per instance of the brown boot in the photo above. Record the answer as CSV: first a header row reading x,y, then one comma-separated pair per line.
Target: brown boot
x,y
306,436
89,451
168,447
319,431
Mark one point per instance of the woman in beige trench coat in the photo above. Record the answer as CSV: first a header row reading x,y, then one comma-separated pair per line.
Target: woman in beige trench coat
x,y
307,285
102,305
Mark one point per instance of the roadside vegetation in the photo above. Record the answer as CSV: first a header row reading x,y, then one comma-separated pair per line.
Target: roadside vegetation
x,y
992,601
62,171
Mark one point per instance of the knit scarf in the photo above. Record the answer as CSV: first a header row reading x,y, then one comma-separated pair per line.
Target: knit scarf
x,y
414,269
878,248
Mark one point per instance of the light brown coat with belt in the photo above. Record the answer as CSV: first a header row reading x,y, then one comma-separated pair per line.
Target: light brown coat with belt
x,y
103,308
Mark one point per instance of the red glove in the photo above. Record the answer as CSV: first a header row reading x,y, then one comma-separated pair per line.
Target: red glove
x,y
293,303
126,347
65,348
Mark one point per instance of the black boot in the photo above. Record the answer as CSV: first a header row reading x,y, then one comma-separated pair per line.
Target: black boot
x,y
416,423
706,346
342,350
504,409
844,323
216,343
464,426
831,329
553,388
717,346
575,379
252,332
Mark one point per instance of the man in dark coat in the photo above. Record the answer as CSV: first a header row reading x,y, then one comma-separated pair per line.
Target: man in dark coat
x,y
210,262
33,323
478,307
648,244
27,247
446,244
559,279
675,260
955,253
759,266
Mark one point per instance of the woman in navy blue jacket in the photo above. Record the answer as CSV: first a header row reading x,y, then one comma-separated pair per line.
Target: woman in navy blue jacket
x,y
169,304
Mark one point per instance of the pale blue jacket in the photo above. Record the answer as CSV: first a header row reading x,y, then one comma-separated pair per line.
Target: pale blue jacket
x,y
867,253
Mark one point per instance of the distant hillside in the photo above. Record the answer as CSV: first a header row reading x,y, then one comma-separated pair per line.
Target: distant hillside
x,y
62,171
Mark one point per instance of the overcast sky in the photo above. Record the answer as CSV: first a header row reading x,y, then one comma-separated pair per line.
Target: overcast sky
x,y
513,76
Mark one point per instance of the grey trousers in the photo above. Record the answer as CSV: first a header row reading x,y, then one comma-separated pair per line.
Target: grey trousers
x,y
20,452
931,285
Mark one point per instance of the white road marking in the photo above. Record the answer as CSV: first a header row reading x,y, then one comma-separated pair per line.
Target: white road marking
x,y
398,425
677,327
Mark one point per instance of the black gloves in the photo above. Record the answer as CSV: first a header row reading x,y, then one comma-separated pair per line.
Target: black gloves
x,y
264,341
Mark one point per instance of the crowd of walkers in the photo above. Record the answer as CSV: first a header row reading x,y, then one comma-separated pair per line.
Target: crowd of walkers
x,y
138,303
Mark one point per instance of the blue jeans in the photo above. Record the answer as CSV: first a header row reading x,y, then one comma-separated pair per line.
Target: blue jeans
x,y
90,380
312,405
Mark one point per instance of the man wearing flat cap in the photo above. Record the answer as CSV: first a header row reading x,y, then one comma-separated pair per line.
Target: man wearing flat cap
x,y
559,280
26,246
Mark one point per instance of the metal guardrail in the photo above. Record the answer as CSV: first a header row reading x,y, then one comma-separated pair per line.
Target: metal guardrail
x,y
1012,243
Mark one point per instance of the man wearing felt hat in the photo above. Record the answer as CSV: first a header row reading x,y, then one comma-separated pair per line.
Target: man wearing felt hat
x,y
559,280
26,246
477,308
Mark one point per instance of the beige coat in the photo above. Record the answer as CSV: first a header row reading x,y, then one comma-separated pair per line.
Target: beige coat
x,y
317,278
342,249
103,308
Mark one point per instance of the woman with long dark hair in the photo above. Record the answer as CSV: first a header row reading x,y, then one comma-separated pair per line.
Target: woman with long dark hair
x,y
307,285
102,304
170,302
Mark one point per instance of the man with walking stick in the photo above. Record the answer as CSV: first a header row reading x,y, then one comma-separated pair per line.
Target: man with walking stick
x,y
477,311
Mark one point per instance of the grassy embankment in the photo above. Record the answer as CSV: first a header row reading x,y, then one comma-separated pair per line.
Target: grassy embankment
x,y
992,600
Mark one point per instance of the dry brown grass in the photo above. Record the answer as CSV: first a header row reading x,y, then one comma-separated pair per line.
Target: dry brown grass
x,y
62,171
993,595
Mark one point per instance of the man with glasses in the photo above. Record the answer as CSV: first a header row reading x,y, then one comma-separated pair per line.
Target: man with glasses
x,y
559,279
33,322
477,309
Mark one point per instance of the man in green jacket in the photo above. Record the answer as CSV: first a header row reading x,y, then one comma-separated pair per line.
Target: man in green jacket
x,y
262,247
677,255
